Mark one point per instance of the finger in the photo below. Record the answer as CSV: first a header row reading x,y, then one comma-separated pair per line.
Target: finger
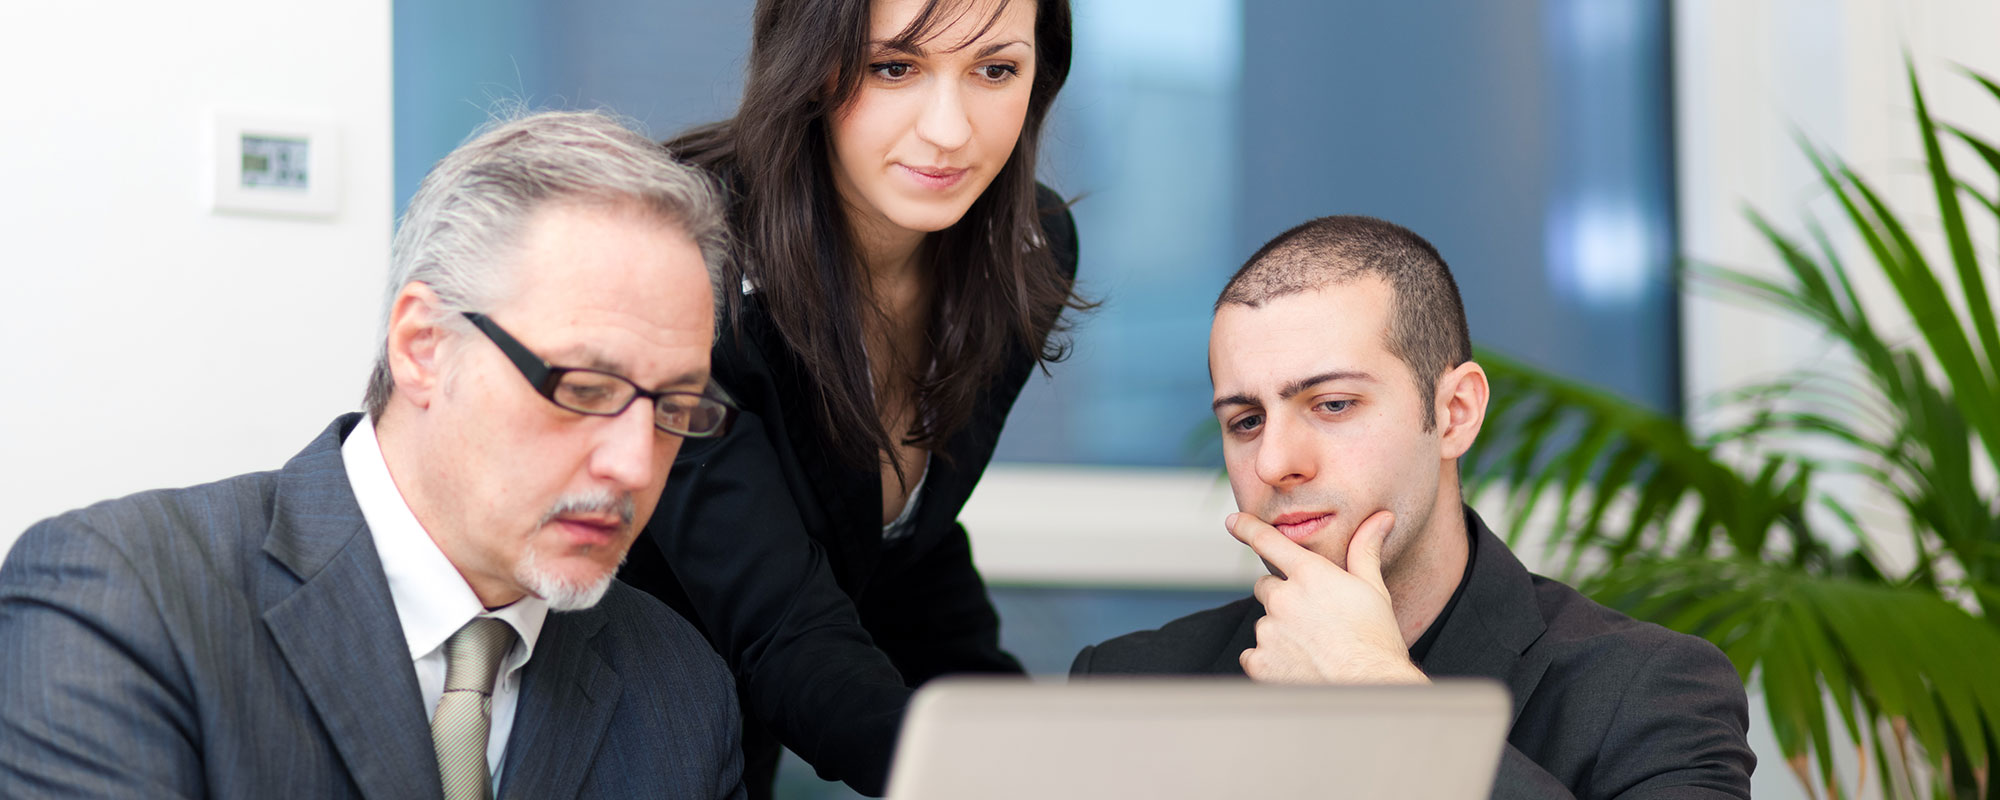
x,y
1364,549
1276,550
1263,588
1245,659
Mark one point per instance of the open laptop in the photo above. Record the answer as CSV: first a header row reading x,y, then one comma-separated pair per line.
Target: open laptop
x,y
1166,739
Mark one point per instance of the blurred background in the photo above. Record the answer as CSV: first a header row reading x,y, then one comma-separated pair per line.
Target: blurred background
x,y
1562,155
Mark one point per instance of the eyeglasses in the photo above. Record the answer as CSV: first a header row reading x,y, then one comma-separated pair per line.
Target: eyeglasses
x,y
603,394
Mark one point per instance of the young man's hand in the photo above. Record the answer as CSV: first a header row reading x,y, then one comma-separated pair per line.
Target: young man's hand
x,y
1324,624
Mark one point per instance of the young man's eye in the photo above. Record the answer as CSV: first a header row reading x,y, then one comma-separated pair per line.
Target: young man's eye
x,y
1246,423
1335,406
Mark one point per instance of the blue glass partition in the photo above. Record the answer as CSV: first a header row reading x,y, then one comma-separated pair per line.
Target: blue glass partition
x,y
1531,142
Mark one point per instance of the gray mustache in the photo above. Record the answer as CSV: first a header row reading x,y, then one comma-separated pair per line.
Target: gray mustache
x,y
598,502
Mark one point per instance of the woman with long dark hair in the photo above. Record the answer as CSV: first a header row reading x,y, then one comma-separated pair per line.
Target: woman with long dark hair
x,y
902,273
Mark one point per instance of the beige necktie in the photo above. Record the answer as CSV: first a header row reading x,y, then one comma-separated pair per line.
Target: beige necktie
x,y
465,710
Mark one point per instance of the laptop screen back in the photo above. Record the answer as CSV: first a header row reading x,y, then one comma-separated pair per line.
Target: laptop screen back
x,y
975,739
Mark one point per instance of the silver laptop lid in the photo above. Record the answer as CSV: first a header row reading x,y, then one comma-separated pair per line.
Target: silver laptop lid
x,y
986,738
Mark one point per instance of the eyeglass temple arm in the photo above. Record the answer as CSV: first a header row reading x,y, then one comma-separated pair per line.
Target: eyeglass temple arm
x,y
538,371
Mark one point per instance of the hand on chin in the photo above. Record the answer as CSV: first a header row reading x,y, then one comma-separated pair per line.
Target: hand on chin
x,y
1324,623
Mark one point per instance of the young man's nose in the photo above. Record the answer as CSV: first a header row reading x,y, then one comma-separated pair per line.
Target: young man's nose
x,y
1285,454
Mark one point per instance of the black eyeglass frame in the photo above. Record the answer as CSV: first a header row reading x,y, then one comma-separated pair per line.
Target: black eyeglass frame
x,y
546,377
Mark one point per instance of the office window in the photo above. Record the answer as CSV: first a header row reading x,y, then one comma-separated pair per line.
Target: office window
x,y
1531,142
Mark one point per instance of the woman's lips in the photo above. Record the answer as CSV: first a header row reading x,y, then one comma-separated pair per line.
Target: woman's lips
x,y
1297,527
937,178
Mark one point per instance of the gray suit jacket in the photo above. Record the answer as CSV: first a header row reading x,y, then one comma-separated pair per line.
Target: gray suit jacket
x,y
237,639
1604,705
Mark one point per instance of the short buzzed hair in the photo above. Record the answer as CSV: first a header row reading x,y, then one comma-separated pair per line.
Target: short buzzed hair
x,y
1427,327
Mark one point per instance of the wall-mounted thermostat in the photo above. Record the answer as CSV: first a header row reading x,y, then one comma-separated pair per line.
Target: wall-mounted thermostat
x,y
287,166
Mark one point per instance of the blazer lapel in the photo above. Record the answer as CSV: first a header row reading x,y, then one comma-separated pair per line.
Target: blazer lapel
x,y
338,629
1495,622
843,511
568,695
853,512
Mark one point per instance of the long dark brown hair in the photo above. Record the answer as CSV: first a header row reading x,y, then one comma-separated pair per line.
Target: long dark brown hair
x,y
998,291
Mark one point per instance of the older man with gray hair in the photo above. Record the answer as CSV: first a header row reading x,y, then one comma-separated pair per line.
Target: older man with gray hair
x,y
421,603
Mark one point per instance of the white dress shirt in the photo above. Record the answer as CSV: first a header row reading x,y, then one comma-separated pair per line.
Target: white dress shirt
x,y
432,599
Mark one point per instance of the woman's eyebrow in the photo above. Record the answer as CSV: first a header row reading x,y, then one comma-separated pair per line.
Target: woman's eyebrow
x,y
898,46
913,49
999,46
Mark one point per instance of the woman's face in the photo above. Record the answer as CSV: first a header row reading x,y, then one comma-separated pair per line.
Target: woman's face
x,y
929,130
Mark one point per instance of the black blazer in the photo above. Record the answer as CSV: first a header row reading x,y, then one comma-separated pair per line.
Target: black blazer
x,y
774,548
1604,705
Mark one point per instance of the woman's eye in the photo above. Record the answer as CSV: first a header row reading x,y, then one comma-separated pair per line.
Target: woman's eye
x,y
893,70
998,72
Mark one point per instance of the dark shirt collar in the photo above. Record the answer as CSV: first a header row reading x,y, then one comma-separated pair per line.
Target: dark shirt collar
x,y
1422,647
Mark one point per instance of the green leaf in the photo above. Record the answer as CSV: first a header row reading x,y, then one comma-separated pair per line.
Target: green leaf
x,y
1932,312
1952,217
1900,651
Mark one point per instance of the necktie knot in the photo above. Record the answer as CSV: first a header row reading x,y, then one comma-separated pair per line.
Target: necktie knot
x,y
472,655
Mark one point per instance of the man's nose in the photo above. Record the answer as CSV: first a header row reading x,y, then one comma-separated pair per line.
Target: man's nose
x,y
1285,454
625,447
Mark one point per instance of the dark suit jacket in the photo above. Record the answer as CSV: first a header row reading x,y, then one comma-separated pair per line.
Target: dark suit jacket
x,y
775,550
1604,705
237,639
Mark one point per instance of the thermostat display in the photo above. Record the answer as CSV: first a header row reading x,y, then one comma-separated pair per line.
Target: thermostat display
x,y
276,162
275,165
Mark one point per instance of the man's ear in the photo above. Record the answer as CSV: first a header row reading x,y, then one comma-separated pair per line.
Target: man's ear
x,y
416,340
1461,408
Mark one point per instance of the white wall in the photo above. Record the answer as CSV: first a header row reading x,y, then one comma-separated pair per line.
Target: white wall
x,y
148,342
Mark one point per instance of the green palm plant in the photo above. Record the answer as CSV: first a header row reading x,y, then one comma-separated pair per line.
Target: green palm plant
x,y
1749,536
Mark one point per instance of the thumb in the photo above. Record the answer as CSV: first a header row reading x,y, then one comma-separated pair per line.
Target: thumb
x,y
1364,550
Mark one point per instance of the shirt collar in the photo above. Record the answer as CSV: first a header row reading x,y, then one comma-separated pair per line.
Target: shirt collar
x,y
432,599
1421,649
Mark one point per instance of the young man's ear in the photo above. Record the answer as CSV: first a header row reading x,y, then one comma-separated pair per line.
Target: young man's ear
x,y
415,344
1461,408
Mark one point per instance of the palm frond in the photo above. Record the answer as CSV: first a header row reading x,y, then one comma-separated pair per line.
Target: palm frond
x,y
1875,649
1972,284
1918,288
1587,448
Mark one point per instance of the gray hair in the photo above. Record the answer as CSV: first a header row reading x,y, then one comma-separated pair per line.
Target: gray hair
x,y
473,206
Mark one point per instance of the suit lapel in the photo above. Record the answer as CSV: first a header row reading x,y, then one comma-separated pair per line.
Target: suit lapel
x,y
1495,622
568,695
338,630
